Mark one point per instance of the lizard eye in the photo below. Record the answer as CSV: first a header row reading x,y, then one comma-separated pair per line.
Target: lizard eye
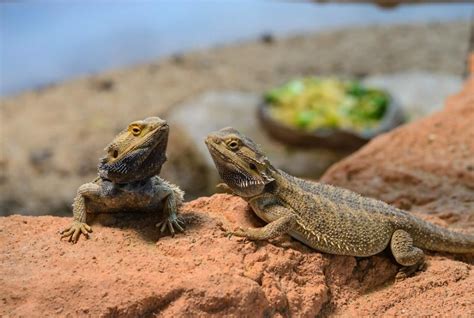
x,y
115,154
233,145
136,130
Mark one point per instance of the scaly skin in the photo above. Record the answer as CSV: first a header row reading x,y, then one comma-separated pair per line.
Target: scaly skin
x,y
324,217
128,180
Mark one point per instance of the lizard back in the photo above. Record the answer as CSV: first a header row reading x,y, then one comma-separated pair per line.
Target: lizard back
x,y
367,223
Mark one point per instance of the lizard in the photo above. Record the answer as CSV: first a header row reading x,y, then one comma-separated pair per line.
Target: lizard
x,y
326,218
128,180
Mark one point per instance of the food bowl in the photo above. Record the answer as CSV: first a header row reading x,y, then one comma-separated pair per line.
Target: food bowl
x,y
344,139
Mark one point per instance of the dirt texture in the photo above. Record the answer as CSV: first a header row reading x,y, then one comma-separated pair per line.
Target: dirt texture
x,y
123,271
52,138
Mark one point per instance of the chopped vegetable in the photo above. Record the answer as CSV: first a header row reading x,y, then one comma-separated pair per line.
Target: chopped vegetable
x,y
313,103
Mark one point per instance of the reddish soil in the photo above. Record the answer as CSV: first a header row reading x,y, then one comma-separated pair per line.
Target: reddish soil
x,y
122,271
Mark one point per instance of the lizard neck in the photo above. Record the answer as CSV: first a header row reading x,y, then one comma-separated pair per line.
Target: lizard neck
x,y
280,181
280,177
285,186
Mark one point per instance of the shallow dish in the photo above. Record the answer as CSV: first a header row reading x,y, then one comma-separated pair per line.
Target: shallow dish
x,y
334,138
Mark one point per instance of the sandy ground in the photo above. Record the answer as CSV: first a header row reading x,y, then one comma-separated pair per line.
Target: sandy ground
x,y
52,138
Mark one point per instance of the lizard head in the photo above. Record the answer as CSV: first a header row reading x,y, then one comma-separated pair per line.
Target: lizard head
x,y
137,152
239,161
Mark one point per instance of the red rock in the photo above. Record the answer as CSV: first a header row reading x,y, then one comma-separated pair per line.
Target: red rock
x,y
123,271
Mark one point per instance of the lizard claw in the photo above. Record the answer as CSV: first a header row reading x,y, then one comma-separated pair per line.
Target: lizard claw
x,y
406,272
240,232
171,222
74,231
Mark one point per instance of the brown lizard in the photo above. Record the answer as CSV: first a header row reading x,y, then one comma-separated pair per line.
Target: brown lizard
x,y
327,218
128,179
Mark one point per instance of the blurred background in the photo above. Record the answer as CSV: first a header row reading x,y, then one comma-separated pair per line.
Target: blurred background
x,y
74,74
43,43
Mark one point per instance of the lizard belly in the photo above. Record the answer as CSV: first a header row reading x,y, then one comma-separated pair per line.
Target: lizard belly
x,y
125,199
345,240
123,204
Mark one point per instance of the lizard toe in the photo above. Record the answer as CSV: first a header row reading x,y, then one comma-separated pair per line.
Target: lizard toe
x,y
66,232
171,223
74,231
179,227
170,226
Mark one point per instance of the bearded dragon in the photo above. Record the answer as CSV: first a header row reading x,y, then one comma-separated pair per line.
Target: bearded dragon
x,y
326,218
128,180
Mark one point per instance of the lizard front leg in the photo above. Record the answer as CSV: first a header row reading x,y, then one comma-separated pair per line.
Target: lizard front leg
x,y
224,188
285,221
172,219
79,224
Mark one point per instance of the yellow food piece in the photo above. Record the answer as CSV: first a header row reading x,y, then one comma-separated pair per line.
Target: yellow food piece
x,y
313,103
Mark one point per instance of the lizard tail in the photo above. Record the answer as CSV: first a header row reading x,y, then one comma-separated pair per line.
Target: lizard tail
x,y
431,237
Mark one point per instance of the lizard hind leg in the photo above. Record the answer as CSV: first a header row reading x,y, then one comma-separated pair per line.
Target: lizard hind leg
x,y
406,254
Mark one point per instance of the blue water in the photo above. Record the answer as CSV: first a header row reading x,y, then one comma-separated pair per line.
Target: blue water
x,y
43,43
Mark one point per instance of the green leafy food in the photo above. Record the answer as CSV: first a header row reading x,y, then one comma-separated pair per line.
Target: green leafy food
x,y
313,103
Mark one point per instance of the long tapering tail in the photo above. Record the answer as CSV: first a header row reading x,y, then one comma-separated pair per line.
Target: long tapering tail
x,y
431,237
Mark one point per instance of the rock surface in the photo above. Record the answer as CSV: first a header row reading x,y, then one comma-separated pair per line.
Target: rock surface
x,y
122,272
52,138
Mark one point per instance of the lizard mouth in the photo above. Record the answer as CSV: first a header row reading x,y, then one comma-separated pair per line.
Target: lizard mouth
x,y
140,161
232,172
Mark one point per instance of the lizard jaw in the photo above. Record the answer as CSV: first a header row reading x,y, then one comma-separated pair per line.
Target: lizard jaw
x,y
241,181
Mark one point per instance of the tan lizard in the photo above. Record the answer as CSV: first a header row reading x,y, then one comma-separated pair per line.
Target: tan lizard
x,y
324,217
128,179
